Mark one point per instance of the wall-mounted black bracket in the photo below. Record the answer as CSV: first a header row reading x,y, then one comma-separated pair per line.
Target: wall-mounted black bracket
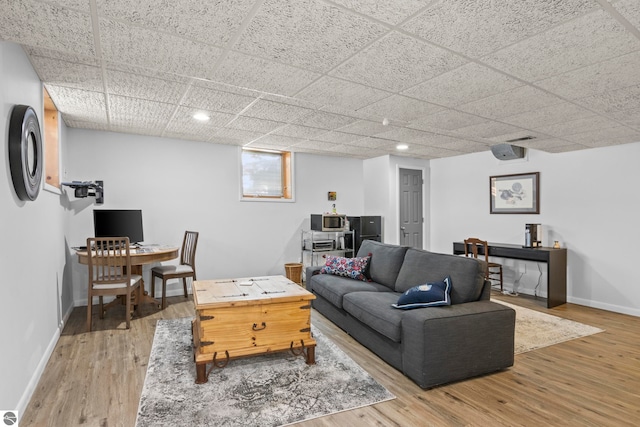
x,y
88,188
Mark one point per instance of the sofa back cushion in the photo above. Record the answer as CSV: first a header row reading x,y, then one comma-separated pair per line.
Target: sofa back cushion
x,y
385,261
419,267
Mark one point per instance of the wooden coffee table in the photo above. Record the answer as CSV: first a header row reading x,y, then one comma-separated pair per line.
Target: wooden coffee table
x,y
249,316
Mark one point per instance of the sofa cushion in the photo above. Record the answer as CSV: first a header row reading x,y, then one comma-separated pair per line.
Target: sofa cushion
x,y
333,288
374,310
419,266
385,262
432,294
353,268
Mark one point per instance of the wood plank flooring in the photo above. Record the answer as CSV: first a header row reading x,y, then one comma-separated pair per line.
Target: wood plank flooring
x,y
95,379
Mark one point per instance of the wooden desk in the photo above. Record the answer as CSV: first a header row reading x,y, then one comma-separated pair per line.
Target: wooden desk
x,y
555,258
140,257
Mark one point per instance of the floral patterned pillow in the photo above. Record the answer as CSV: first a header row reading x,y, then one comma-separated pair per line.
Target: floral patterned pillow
x,y
353,268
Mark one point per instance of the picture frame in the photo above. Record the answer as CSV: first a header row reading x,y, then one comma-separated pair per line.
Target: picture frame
x,y
515,194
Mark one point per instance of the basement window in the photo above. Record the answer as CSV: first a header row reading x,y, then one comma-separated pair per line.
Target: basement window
x,y
51,144
267,175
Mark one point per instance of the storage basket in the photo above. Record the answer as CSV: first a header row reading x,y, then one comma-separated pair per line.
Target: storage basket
x,y
293,271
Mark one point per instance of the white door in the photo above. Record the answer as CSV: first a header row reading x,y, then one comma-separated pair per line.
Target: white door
x,y
411,208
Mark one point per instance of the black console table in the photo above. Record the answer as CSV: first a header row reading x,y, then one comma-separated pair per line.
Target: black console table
x,y
556,259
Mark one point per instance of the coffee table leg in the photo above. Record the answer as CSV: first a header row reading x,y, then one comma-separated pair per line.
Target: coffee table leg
x,y
311,355
201,373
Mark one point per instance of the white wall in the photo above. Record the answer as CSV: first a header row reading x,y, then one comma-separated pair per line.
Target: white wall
x,y
589,202
182,185
32,259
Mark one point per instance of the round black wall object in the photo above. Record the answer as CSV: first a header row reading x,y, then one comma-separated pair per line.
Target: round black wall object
x,y
25,152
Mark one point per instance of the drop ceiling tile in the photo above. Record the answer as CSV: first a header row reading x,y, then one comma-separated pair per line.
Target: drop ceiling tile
x,y
261,74
208,22
630,9
628,117
231,136
147,72
297,131
62,56
184,117
324,120
465,84
315,145
79,5
360,152
277,111
285,33
612,74
139,86
43,25
374,142
337,137
584,41
404,134
510,137
613,101
255,125
347,112
138,113
477,28
78,104
216,100
72,123
557,113
462,145
605,137
390,63
401,108
342,93
487,130
446,119
578,126
155,50
193,131
508,103
70,74
547,144
391,12
565,148
267,145
275,140
437,152
364,127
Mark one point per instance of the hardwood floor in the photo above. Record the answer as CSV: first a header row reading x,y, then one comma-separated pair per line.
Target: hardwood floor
x,y
95,379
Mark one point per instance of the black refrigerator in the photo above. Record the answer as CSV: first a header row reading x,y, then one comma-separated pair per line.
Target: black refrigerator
x,y
364,228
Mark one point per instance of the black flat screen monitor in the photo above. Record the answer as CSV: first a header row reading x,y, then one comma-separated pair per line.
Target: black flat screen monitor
x,y
118,223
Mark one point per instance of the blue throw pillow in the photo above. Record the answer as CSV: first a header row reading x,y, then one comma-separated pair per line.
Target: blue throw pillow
x,y
428,295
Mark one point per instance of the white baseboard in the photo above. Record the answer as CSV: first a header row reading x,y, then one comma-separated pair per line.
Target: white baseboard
x,y
603,306
35,378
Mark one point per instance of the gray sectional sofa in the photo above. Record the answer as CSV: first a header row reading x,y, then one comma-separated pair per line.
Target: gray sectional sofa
x,y
433,345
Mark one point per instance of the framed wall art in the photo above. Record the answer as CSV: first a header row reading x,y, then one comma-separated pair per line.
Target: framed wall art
x,y
515,194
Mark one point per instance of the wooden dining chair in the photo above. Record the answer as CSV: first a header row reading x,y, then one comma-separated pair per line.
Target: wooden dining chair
x,y
493,270
109,261
186,268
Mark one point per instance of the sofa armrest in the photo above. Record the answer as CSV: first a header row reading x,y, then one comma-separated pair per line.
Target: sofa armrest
x,y
445,344
310,272
486,291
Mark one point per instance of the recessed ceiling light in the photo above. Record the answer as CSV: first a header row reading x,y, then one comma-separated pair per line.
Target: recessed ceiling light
x,y
402,147
201,117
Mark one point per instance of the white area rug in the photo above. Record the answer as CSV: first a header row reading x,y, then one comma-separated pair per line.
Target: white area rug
x,y
270,390
536,330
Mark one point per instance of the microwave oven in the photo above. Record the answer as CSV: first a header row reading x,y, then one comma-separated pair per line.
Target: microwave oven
x,y
328,222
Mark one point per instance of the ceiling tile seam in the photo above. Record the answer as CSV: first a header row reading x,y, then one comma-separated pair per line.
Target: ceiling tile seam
x,y
611,10
95,26
178,105
241,29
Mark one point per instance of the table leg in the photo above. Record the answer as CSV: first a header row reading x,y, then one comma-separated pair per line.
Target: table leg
x,y
144,295
311,355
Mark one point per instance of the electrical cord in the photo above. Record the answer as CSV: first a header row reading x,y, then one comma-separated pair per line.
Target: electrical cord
x,y
535,290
